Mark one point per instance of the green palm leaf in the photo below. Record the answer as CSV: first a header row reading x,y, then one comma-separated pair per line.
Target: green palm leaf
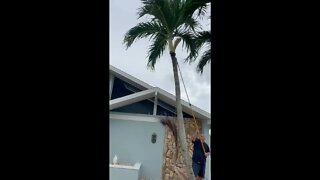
x,y
205,59
143,30
193,5
156,50
190,43
204,38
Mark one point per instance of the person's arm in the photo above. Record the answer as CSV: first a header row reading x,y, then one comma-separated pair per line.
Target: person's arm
x,y
207,154
195,135
207,151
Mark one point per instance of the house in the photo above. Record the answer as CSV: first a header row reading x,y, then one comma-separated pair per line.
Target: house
x,y
138,139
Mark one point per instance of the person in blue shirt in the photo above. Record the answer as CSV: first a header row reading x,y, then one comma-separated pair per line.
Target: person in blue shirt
x,y
200,153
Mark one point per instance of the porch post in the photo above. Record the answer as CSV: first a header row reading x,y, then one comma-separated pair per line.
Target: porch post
x,y
155,104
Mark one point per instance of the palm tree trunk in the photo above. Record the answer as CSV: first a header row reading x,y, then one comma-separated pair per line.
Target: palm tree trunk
x,y
181,128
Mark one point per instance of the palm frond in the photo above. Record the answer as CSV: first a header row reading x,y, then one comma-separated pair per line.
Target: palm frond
x,y
205,59
159,10
156,50
203,37
191,6
202,10
142,30
187,19
147,8
189,42
190,23
171,13
176,11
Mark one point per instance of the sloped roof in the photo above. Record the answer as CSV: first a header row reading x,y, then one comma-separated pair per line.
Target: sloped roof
x,y
149,91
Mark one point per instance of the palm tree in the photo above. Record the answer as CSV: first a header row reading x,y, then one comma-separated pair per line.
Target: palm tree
x,y
171,21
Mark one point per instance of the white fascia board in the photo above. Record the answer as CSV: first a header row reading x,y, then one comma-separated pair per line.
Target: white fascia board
x,y
129,79
171,99
132,98
133,117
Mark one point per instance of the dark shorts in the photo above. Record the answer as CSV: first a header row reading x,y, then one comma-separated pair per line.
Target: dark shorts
x,y
198,169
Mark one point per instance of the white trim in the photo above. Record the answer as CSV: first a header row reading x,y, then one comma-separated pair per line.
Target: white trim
x,y
133,117
136,166
130,99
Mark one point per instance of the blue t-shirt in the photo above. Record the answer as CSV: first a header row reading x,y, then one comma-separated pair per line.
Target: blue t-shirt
x,y
198,154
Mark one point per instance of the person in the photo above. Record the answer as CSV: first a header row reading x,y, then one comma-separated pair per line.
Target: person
x,y
199,155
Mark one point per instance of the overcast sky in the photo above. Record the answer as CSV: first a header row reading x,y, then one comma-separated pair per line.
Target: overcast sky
x,y
123,16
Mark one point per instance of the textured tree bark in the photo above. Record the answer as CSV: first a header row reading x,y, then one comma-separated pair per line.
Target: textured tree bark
x,y
181,128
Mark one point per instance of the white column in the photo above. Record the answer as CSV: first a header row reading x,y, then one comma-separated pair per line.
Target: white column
x,y
155,105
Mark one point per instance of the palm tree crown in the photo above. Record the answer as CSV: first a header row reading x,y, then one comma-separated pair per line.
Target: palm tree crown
x,y
169,19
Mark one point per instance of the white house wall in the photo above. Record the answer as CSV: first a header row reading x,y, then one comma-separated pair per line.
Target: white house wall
x,y
130,140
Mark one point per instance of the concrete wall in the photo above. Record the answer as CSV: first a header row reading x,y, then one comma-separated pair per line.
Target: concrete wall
x,y
124,172
131,142
127,174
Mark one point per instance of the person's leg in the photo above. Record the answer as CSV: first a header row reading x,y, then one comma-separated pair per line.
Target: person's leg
x,y
201,171
196,168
